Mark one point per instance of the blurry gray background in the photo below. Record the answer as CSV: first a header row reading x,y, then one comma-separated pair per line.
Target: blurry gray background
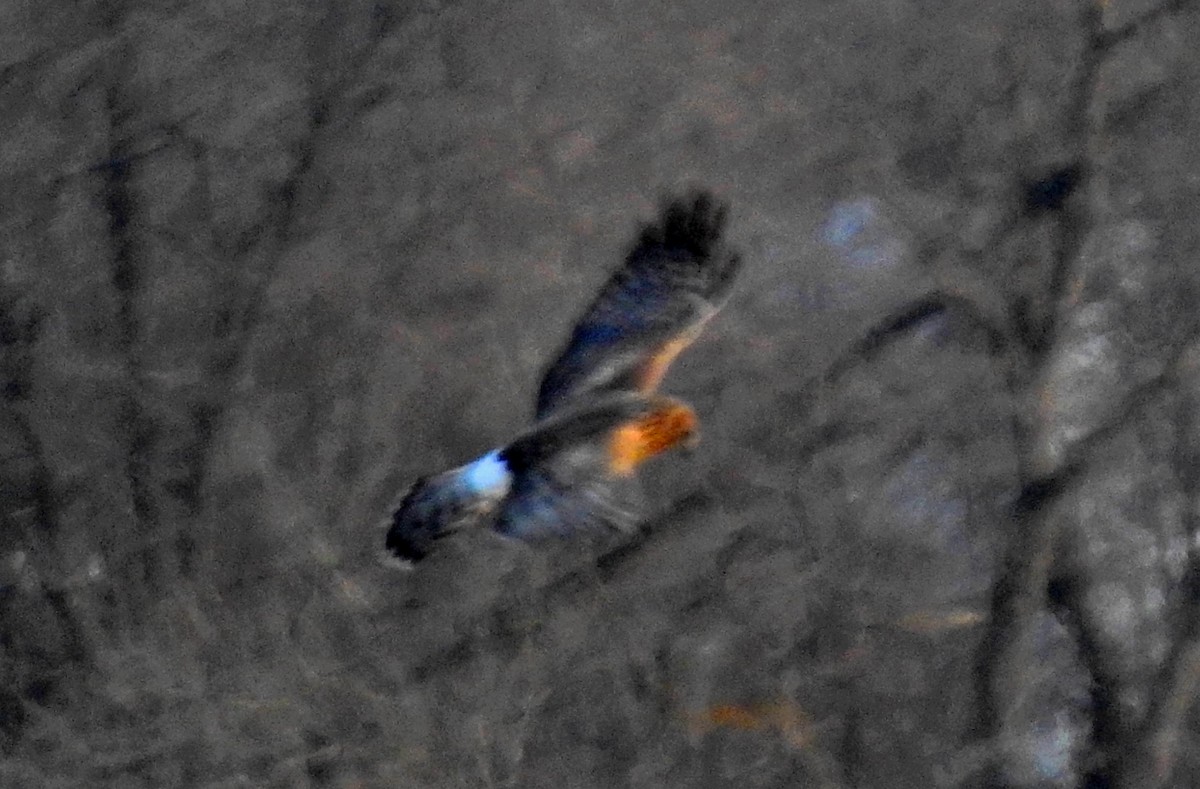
x,y
262,264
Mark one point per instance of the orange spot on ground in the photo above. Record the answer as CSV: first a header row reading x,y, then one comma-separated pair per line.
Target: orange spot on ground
x,y
785,717
937,621
730,716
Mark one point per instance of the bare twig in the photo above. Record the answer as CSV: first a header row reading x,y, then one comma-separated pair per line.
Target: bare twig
x,y
120,205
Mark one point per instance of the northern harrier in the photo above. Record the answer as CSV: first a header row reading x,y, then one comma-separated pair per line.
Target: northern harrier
x,y
598,414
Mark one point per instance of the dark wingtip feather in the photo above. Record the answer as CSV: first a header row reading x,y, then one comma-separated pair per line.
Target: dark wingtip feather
x,y
690,232
694,223
400,545
677,273
410,537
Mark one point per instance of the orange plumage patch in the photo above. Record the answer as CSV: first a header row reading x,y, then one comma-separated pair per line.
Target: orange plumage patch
x,y
656,366
656,432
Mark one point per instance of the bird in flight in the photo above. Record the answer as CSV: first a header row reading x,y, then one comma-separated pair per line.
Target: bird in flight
x,y
599,415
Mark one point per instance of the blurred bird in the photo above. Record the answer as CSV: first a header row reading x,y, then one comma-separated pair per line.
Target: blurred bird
x,y
598,417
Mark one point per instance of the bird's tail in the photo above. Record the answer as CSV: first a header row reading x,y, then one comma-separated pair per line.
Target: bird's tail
x,y
440,504
415,523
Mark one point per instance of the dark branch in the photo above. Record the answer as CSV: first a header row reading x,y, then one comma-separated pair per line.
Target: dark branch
x,y
1107,39
120,206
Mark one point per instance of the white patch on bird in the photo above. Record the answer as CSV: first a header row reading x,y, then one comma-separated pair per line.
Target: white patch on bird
x,y
489,475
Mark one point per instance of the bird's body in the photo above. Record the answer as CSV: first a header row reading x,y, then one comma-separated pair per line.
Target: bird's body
x,y
598,417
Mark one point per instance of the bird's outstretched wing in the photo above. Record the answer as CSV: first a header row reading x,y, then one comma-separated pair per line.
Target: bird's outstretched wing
x,y
676,277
